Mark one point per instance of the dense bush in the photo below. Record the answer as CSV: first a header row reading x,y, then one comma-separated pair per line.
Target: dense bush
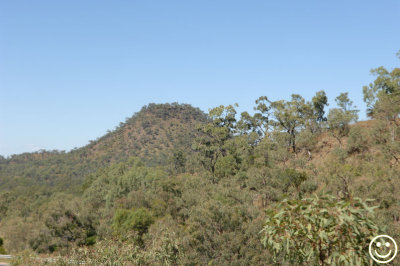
x,y
137,220
320,231
172,186
357,141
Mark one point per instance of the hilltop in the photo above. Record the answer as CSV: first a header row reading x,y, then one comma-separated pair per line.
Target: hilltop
x,y
153,134
172,185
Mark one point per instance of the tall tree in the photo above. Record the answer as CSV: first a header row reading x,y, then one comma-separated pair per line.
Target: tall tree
x,y
263,114
339,119
259,122
314,119
383,101
319,102
289,117
383,97
211,144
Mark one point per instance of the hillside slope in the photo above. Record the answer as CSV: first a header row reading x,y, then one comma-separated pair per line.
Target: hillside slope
x,y
153,134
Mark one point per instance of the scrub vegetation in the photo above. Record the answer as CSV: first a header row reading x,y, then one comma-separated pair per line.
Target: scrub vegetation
x,y
288,183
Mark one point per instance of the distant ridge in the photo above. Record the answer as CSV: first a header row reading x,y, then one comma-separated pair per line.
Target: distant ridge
x,y
152,134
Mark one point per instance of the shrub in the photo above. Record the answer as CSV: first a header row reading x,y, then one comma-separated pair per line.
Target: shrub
x,y
320,231
137,220
2,250
291,177
225,166
356,141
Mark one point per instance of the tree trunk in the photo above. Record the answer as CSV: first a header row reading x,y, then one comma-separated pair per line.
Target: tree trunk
x,y
293,137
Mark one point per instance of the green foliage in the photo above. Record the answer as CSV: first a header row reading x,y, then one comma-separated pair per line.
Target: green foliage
x,y
382,96
357,141
225,166
259,123
291,177
383,101
174,186
297,114
320,101
320,231
179,161
289,117
214,135
110,251
66,223
307,141
2,250
137,220
153,134
339,119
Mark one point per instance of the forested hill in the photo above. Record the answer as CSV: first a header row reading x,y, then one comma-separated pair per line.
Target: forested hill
x,y
292,183
154,134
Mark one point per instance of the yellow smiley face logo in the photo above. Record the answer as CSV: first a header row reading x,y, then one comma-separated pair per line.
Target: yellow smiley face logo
x,y
383,249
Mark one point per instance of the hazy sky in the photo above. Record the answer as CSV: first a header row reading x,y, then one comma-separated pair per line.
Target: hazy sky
x,y
70,70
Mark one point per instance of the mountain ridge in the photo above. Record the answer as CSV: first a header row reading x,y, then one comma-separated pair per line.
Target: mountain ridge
x,y
152,133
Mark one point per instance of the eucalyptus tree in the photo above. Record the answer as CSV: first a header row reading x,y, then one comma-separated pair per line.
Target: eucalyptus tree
x,y
314,120
383,101
214,135
339,119
320,231
383,97
318,103
263,115
253,128
289,117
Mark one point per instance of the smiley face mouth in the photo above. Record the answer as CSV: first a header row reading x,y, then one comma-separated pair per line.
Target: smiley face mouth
x,y
384,256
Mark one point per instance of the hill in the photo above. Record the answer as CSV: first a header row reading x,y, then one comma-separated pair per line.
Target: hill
x,y
174,186
153,134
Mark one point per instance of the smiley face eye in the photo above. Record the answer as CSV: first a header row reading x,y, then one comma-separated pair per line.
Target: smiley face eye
x,y
387,244
378,244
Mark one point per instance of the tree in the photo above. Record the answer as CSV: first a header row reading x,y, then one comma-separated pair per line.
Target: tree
x,y
357,140
252,129
383,97
138,220
319,102
383,91
179,160
214,135
320,231
289,117
65,223
313,114
262,117
339,119
383,101
291,177
246,123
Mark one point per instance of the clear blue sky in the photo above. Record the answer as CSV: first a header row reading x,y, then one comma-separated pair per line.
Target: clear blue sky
x,y
70,70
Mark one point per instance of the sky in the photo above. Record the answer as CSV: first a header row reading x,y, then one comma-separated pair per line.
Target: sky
x,y
71,70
